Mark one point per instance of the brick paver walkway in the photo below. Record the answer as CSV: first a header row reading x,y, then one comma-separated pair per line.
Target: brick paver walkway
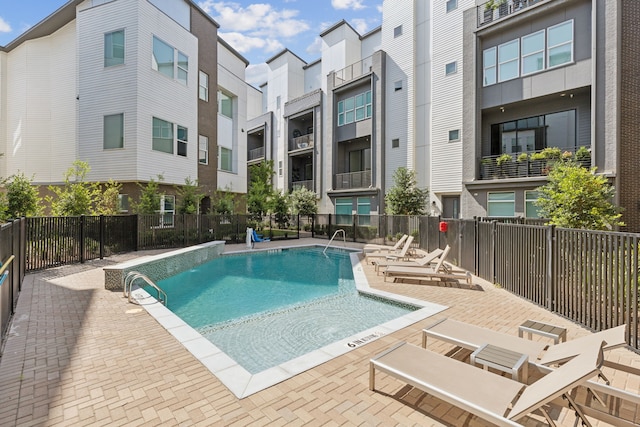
x,y
78,354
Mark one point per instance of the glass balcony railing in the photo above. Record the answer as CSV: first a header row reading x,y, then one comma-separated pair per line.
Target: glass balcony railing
x,y
301,142
302,184
346,181
353,71
493,10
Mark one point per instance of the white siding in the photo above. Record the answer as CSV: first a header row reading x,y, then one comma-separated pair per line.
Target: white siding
x,y
3,114
41,90
400,108
423,94
371,44
446,157
313,77
254,102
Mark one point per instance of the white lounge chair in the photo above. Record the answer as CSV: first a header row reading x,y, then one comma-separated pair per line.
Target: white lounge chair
x,y
398,254
424,259
440,271
492,397
372,247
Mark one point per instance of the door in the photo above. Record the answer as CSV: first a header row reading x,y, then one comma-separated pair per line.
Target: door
x,y
451,206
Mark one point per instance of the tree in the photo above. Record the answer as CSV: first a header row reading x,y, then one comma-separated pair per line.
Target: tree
x,y
149,197
76,197
405,198
260,191
108,203
22,198
575,197
223,202
304,202
280,207
190,196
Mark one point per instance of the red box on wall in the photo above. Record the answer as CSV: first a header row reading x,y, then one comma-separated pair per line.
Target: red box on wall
x,y
443,226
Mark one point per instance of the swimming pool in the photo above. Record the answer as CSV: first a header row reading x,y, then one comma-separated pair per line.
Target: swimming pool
x,y
227,366
266,308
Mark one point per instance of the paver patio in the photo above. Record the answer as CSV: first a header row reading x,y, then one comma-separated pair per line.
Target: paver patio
x,y
78,354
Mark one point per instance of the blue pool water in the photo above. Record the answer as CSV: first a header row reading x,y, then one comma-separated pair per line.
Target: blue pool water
x,y
265,308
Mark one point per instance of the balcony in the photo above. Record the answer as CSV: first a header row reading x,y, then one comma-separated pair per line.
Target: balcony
x,y
347,181
302,184
528,165
301,142
494,10
256,154
352,72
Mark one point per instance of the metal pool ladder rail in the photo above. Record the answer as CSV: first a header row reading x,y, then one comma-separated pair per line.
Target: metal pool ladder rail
x,y
132,276
344,239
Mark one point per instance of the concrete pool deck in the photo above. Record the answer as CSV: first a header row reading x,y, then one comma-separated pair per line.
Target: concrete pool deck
x,y
78,354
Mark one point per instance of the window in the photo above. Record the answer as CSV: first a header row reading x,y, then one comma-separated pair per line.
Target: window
x,y
364,210
169,61
489,63
280,168
343,210
114,48
560,44
531,210
397,31
360,160
395,143
203,91
225,157
182,141
162,136
452,5
451,68
162,57
397,86
168,210
183,67
533,53
123,203
113,131
501,204
278,102
454,135
225,105
508,61
354,109
203,150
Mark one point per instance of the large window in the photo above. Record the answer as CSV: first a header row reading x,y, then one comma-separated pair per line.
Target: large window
x,y
114,48
541,50
163,137
354,109
535,133
560,44
169,61
203,91
364,210
203,150
360,160
533,53
225,104
508,61
168,210
343,210
225,159
530,208
113,131
123,203
501,204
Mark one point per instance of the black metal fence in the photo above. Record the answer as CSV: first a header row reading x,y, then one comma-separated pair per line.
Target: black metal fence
x,y
12,238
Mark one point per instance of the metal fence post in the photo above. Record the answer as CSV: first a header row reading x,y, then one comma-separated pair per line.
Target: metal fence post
x,y
82,239
551,231
354,221
102,234
313,225
494,250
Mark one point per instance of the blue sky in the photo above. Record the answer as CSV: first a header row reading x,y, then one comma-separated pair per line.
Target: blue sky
x,y
256,30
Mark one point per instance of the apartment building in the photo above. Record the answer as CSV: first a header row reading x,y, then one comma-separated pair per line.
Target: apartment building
x,y
544,74
130,87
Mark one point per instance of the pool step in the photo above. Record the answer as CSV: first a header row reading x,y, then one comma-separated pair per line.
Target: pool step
x,y
132,276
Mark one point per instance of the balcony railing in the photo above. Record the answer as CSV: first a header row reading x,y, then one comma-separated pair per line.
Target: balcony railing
x,y
301,142
302,184
256,153
346,181
497,9
353,71
526,165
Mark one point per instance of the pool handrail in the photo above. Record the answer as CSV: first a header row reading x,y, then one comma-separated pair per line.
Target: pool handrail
x,y
132,276
344,238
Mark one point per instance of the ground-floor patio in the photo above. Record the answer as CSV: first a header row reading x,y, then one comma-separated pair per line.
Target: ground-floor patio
x,y
78,354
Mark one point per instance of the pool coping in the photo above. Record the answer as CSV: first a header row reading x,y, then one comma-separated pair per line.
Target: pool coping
x,y
241,382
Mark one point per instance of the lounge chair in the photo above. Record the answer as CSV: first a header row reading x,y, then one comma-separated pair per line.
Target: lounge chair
x,y
424,259
372,247
258,238
440,271
492,397
398,254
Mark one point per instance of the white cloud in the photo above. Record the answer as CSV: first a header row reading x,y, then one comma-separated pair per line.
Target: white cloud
x,y
4,26
379,7
347,4
360,25
257,74
243,43
315,48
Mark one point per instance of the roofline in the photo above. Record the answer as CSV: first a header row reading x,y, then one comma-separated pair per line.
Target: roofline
x,y
312,63
282,52
203,13
375,30
235,52
336,25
